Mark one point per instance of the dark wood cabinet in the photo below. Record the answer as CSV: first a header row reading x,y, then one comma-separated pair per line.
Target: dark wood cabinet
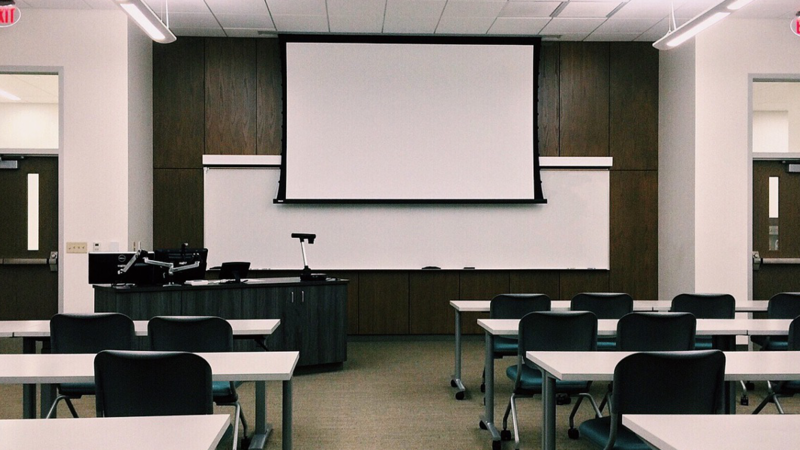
x,y
313,315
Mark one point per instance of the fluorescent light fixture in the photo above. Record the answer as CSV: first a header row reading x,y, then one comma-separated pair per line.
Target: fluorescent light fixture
x,y
690,29
147,20
9,96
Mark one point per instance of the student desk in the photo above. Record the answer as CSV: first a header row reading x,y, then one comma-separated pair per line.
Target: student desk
x,y
482,306
39,330
712,432
201,432
229,366
726,329
599,366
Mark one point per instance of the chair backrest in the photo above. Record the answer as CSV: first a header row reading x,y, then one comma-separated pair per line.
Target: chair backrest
x,y
605,305
705,306
91,333
133,383
689,382
557,331
656,332
785,305
190,334
514,306
234,270
794,334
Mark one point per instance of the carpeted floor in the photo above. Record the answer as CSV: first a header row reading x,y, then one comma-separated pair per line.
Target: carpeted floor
x,y
393,394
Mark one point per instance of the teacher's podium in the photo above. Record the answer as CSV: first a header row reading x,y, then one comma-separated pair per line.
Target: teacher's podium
x,y
313,314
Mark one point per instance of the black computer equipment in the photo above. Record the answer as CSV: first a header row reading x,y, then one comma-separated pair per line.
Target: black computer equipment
x,y
180,258
234,270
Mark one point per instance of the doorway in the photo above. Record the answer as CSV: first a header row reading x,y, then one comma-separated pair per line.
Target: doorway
x,y
29,183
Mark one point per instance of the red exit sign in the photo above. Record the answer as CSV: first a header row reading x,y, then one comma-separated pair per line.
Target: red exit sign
x,y
9,15
796,25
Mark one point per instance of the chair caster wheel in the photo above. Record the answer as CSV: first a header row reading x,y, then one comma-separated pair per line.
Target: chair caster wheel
x,y
482,425
749,385
245,443
497,445
505,435
483,387
453,383
563,399
460,395
573,433
744,401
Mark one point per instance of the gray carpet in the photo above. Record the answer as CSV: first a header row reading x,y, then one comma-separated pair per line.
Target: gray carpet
x,y
393,394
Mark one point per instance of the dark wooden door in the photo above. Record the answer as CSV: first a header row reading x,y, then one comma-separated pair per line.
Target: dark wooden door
x,y
776,239
28,284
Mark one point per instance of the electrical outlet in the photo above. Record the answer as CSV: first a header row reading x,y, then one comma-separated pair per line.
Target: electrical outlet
x,y
76,247
95,246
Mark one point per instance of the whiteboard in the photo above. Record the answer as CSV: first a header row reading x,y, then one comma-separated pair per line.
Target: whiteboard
x,y
570,231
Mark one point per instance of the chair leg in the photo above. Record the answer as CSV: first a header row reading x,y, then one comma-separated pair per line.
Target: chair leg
x,y
53,408
766,400
236,416
514,420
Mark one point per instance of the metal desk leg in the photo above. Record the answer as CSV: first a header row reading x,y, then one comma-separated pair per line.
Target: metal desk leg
x,y
548,412
263,429
487,421
455,381
287,414
28,390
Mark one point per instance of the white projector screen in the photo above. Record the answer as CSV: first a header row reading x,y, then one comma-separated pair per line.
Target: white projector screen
x,y
401,119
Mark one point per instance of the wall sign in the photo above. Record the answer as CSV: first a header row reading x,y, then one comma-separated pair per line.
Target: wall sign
x,y
9,13
796,24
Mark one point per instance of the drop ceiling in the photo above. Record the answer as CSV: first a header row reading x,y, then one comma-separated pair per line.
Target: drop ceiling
x,y
573,20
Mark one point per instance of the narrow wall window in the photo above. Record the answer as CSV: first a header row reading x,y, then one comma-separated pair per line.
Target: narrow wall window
x,y
33,211
774,183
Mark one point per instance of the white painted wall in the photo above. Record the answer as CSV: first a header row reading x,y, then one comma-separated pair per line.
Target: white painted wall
x,y
91,48
770,131
726,56
676,168
29,125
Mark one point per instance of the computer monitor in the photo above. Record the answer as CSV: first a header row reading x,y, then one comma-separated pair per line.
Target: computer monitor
x,y
104,268
180,257
234,270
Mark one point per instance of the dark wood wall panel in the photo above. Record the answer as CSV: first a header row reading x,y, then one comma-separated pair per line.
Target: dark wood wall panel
x,y
223,96
230,96
584,95
383,303
178,104
429,302
269,96
177,207
634,233
549,105
633,95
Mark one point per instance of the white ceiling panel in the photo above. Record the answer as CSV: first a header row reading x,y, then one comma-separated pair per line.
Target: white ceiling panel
x,y
199,32
464,25
625,26
57,4
572,26
30,88
416,17
247,33
297,7
356,23
239,7
514,25
575,9
160,7
356,7
192,20
472,9
529,9
301,24
613,37
258,21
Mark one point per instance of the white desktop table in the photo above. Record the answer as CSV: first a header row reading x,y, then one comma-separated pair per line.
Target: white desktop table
x,y
725,329
599,366
716,432
201,432
230,366
482,306
32,331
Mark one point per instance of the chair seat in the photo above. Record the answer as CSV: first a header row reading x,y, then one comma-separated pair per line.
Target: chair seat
x,y
703,343
596,431
531,382
76,390
223,393
606,344
504,346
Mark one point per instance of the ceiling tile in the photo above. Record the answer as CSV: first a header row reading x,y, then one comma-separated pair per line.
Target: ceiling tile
x,y
529,9
614,37
514,25
472,9
572,26
356,7
626,26
297,8
177,6
304,24
464,25
245,21
587,9
200,32
403,16
356,23
57,4
192,20
247,33
240,7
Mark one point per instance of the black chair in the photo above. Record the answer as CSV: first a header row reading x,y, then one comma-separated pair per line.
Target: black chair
x,y
785,305
689,382
87,333
783,388
604,305
654,332
550,331
134,383
512,306
234,271
200,334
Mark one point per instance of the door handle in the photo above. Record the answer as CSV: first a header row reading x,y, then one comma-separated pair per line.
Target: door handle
x,y
51,261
